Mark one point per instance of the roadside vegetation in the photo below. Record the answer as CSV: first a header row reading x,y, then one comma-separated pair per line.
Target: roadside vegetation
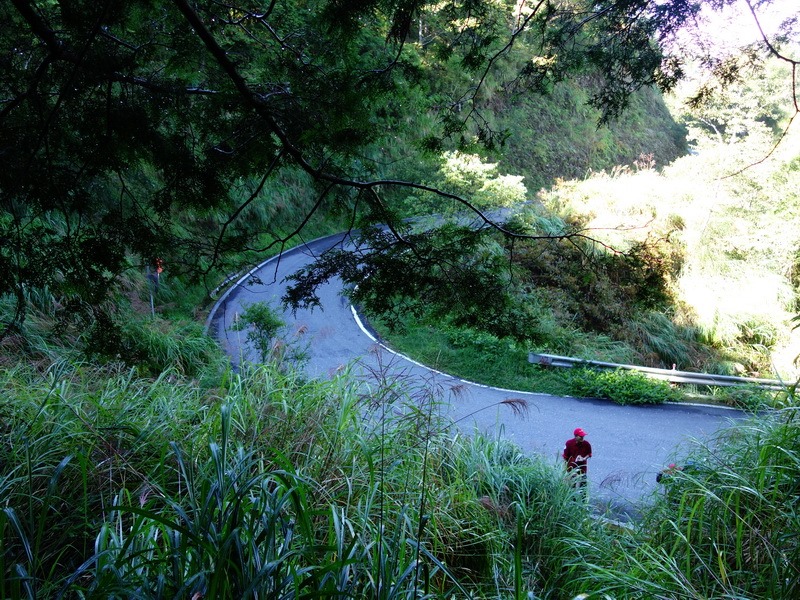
x,y
118,481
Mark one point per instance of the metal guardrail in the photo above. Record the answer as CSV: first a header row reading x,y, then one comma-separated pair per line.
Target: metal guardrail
x,y
671,375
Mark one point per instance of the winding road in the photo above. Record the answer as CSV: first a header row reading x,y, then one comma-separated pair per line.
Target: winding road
x,y
630,444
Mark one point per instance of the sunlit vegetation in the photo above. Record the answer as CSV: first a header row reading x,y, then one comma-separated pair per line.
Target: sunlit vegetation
x,y
691,266
720,247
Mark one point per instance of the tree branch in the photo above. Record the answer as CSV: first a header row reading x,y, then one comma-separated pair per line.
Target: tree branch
x,y
242,206
255,102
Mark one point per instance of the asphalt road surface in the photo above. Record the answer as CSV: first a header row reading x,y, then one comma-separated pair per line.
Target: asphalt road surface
x,y
630,444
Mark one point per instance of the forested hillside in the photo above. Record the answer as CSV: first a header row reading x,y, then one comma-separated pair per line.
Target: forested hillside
x,y
689,265
154,149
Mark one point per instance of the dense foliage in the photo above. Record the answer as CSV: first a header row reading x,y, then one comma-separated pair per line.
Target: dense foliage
x,y
144,131
264,483
258,483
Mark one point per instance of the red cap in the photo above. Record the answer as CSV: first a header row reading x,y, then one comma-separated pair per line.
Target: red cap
x,y
579,432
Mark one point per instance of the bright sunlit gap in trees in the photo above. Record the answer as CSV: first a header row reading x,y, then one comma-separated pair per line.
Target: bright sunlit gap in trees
x,y
738,279
735,25
731,207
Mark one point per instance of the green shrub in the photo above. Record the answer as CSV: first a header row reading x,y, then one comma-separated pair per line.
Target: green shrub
x,y
727,525
262,324
479,340
621,386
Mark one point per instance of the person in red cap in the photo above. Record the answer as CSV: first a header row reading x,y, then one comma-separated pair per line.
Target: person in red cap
x,y
577,451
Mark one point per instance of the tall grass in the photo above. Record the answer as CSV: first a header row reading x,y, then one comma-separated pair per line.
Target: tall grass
x,y
74,436
272,485
238,530
266,485
663,341
724,526
534,508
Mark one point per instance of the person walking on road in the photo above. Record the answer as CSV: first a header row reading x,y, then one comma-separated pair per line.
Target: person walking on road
x,y
577,452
